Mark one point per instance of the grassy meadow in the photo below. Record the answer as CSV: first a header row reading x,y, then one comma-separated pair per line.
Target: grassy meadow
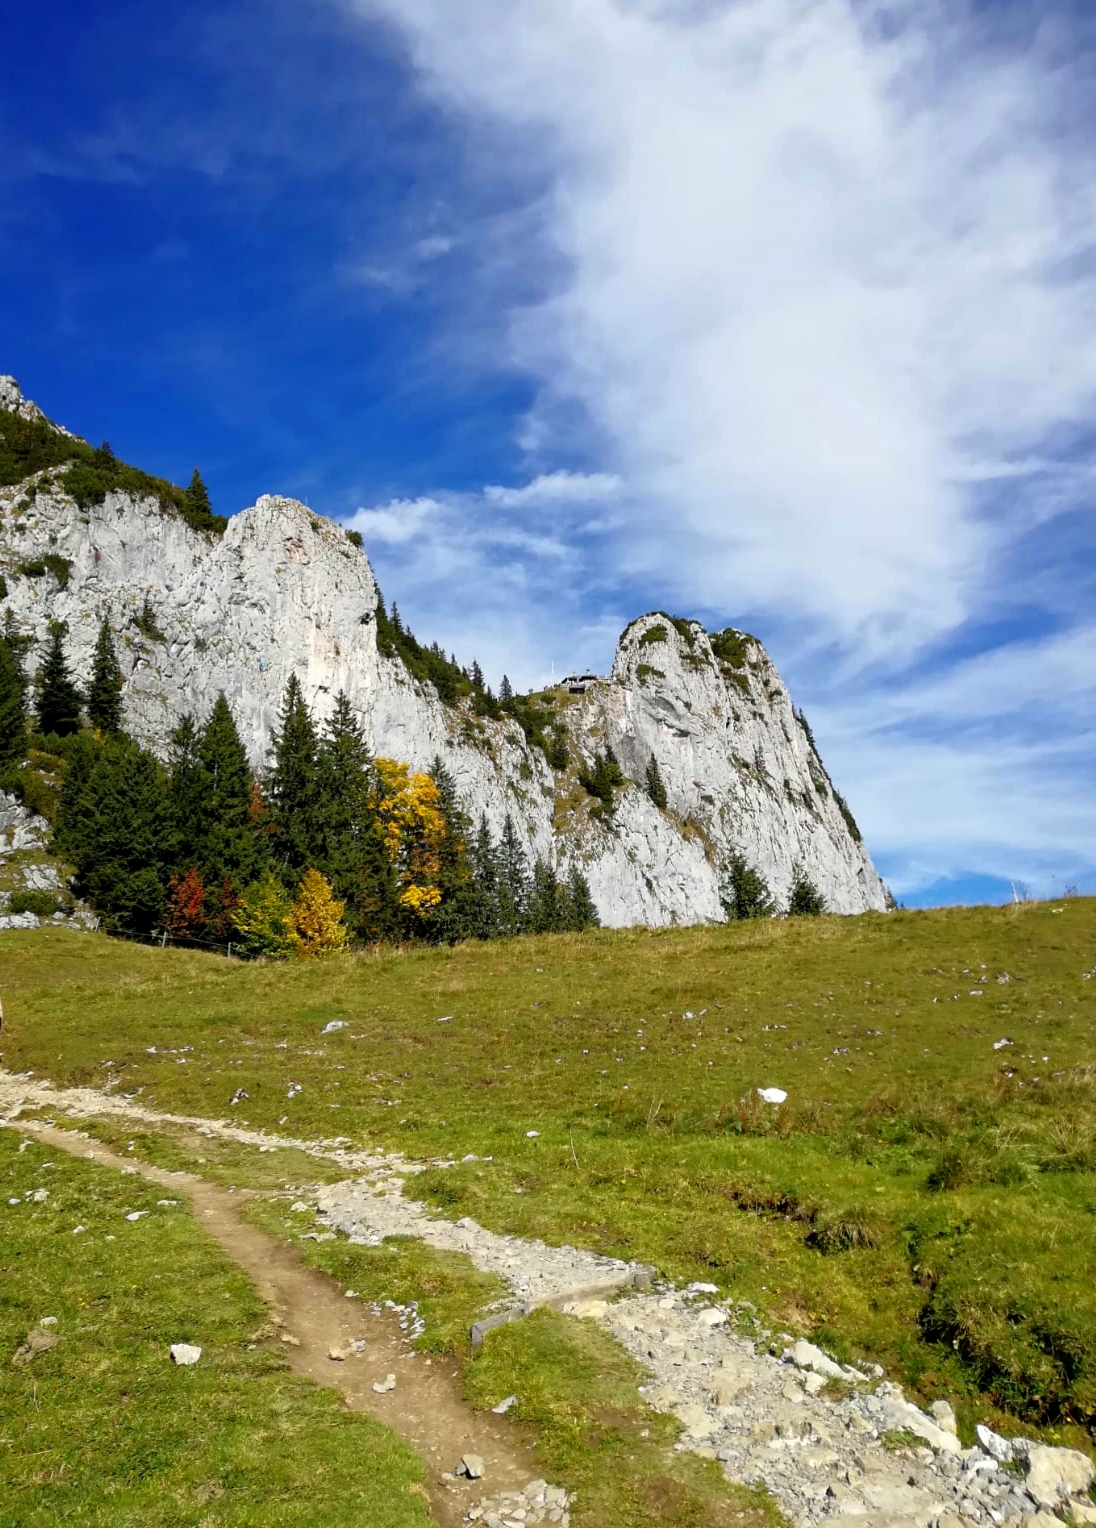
x,y
926,1196
104,1430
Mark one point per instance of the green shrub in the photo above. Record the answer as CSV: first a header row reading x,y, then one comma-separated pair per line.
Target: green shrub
x,y
652,635
36,793
42,903
49,562
354,538
146,623
730,647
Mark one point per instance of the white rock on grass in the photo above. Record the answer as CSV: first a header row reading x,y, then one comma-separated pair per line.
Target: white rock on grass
x,y
185,1354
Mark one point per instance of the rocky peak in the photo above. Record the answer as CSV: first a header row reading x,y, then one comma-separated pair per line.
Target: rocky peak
x,y
285,590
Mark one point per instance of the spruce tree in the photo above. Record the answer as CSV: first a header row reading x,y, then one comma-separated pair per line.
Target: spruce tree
x,y
547,909
744,892
485,883
582,910
105,693
805,899
506,691
13,721
351,852
455,917
122,849
227,843
293,786
513,881
59,700
654,784
197,510
189,795
18,644
477,675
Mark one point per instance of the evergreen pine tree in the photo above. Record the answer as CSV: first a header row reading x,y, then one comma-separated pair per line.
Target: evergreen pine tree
x,y
59,700
197,499
18,644
506,691
513,881
547,909
293,786
351,852
227,843
485,884
582,910
654,784
477,675
13,721
105,693
744,891
805,899
122,848
72,827
455,917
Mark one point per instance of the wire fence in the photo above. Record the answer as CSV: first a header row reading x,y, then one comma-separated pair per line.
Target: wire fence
x,y
160,939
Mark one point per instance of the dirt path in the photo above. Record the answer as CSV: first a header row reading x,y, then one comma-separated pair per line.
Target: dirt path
x,y
426,1407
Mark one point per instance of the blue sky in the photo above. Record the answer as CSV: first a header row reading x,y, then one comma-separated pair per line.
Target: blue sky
x,y
781,313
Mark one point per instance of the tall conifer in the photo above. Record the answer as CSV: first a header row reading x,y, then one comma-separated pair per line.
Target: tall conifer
x,y
227,843
13,721
105,693
59,700
293,786
513,881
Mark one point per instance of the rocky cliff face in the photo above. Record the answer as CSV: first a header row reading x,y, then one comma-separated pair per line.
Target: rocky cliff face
x,y
285,591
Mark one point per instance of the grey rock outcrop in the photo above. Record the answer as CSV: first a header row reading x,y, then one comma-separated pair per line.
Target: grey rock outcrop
x,y
284,591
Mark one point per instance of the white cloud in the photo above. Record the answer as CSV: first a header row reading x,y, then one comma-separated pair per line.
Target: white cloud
x,y
557,488
817,277
396,523
820,257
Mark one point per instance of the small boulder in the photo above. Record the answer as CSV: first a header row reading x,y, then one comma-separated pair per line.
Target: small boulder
x,y
943,1414
994,1445
471,1467
383,1387
1054,1474
37,1342
185,1354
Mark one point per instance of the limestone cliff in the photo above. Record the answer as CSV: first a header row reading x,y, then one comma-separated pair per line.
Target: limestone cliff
x,y
284,590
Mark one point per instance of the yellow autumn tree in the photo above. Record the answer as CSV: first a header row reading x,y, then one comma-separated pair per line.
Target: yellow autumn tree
x,y
414,831
315,924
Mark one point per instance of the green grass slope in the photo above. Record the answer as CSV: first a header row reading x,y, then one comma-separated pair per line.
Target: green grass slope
x,y
104,1431
926,1196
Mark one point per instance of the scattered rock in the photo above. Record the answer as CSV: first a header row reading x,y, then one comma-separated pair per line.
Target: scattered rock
x,y
38,1341
504,1406
338,1356
994,1445
772,1095
471,1467
185,1354
333,1027
382,1387
943,1414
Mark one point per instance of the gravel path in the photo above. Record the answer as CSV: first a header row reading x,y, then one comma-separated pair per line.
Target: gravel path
x,y
829,1442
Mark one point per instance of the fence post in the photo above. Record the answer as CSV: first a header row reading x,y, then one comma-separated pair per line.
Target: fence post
x,y
163,939
230,949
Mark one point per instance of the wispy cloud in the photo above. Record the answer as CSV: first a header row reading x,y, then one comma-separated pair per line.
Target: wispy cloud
x,y
818,279
557,488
